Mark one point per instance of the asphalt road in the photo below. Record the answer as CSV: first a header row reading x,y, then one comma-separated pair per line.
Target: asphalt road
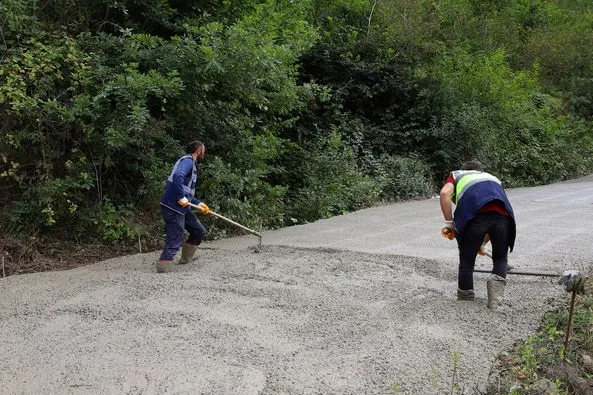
x,y
359,303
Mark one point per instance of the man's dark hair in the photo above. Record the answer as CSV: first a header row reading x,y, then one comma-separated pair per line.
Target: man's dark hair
x,y
472,165
193,146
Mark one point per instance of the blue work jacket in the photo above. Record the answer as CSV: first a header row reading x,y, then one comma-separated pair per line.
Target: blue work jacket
x,y
181,183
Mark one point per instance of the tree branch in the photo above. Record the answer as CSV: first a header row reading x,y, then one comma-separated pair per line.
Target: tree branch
x,y
375,2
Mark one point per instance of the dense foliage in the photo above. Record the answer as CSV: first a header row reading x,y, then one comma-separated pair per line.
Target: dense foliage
x,y
308,108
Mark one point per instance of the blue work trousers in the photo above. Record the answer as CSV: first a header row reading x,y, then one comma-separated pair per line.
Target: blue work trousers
x,y
498,227
175,224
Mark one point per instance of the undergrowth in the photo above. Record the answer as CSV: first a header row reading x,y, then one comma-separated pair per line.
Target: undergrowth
x,y
541,364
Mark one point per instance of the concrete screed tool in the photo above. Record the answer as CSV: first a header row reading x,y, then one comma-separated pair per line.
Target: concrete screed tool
x,y
449,234
573,281
230,221
487,253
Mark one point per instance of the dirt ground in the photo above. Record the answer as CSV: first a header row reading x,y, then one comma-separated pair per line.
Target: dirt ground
x,y
358,304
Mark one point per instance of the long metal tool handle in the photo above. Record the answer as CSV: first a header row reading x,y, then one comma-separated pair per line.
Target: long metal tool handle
x,y
230,221
522,273
489,255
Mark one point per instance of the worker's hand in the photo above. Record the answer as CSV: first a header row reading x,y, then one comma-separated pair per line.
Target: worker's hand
x,y
448,230
203,209
183,202
483,251
573,281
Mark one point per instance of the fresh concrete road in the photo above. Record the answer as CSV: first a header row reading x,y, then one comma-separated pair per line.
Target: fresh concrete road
x,y
360,303
555,229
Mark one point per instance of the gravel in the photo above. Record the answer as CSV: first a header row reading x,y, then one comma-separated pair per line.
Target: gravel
x,y
358,304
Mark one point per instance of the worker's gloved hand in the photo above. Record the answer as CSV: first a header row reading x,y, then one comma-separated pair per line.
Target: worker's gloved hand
x,y
573,281
448,230
183,202
203,208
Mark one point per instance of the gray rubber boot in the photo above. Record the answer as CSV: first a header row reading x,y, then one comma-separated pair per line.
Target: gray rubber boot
x,y
495,286
466,294
164,266
187,253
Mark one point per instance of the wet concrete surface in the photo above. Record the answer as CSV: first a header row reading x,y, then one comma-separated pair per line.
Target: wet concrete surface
x,y
362,303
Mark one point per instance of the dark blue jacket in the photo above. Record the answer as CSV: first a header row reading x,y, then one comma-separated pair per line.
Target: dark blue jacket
x,y
471,197
181,183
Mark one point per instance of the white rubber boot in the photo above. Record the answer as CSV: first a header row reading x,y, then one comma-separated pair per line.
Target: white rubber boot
x,y
495,286
187,253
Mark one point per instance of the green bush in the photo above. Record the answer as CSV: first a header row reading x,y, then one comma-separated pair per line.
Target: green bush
x,y
404,178
497,115
113,225
332,182
308,109
239,187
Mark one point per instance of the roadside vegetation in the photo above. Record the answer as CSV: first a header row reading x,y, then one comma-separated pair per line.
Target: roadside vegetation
x,y
542,365
308,108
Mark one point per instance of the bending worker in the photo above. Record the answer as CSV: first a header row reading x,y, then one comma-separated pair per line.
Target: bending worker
x,y
481,208
179,192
